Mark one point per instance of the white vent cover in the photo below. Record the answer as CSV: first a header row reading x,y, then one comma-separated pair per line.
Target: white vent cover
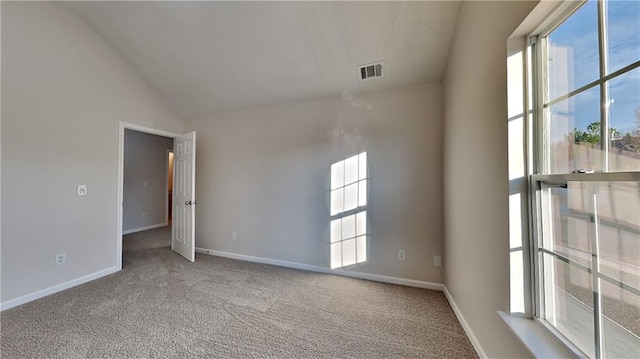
x,y
370,70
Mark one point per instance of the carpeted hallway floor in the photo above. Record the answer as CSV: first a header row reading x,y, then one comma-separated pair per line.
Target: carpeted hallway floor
x,y
162,306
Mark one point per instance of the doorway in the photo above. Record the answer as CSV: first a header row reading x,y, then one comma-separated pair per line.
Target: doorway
x,y
146,183
183,200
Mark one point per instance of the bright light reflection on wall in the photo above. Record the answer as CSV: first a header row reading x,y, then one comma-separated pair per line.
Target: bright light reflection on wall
x,y
517,180
517,254
516,148
348,229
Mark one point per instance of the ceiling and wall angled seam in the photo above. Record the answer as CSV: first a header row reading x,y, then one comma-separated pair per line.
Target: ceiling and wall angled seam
x,y
209,57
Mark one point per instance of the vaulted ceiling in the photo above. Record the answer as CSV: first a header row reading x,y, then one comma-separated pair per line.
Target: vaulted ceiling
x,y
205,57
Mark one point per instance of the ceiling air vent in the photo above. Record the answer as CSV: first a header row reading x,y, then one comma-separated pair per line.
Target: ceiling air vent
x,y
370,70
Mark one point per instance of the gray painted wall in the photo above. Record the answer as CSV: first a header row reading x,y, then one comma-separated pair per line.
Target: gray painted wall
x,y
264,173
145,180
476,171
64,92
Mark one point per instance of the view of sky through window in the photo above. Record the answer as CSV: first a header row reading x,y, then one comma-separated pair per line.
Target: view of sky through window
x,y
574,45
587,288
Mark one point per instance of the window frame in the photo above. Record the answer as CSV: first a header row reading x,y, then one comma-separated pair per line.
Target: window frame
x,y
540,84
539,159
540,183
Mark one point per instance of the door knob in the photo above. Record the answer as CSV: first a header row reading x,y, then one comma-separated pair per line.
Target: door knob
x,y
187,203
195,202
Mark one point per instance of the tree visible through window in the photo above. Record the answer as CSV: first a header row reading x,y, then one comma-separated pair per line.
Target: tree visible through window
x,y
592,87
587,234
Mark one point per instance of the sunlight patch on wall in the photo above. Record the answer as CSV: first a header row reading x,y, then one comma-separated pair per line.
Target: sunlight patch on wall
x,y
348,227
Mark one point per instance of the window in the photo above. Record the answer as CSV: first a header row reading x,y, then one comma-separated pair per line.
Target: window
x,y
590,100
586,186
348,200
589,262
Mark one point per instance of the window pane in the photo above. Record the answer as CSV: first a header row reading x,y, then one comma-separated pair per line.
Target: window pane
x,y
336,255
624,117
568,302
351,170
618,205
362,193
362,165
574,133
337,175
361,249
573,52
349,252
361,223
336,230
623,33
569,231
337,201
350,197
349,226
620,322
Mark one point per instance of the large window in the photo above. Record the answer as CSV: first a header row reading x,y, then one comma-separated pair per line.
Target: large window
x,y
348,201
586,186
591,90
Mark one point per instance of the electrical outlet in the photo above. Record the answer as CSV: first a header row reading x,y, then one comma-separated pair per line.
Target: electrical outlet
x,y
82,190
234,236
61,259
402,254
437,261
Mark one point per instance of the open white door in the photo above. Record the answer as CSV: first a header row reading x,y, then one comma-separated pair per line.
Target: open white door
x,y
184,201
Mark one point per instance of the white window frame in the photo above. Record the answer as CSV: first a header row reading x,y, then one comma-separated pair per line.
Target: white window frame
x,y
539,158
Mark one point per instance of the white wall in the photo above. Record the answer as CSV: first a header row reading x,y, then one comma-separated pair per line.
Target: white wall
x,y
145,180
476,172
518,125
263,173
63,94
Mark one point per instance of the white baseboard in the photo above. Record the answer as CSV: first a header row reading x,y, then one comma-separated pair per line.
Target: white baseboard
x,y
153,226
56,288
465,325
312,268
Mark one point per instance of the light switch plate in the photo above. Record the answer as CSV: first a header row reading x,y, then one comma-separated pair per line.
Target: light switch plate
x,y
82,190
437,261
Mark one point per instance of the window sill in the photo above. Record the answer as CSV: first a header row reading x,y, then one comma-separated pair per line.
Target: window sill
x,y
535,338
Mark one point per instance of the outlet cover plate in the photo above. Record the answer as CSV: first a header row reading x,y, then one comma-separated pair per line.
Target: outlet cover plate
x,y
402,254
61,259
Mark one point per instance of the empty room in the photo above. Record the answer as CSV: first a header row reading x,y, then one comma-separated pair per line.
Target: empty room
x,y
211,179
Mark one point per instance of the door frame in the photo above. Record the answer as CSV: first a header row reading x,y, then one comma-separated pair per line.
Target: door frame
x,y
119,204
166,185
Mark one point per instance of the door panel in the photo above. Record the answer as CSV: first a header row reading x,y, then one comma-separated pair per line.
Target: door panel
x,y
183,223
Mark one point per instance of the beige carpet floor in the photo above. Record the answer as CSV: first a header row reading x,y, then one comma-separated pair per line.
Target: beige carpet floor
x,y
162,306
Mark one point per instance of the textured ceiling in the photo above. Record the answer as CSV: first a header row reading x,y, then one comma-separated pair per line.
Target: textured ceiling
x,y
205,57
